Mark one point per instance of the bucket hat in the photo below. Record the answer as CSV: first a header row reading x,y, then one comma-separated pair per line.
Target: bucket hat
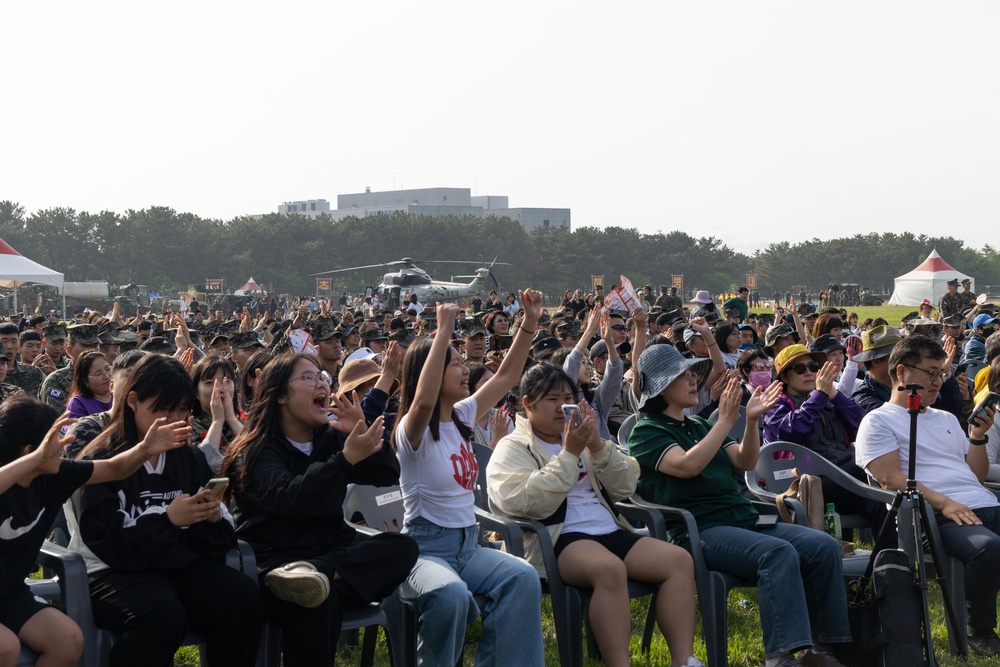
x,y
660,365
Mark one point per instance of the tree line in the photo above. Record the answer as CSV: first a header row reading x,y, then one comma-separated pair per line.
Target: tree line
x,y
168,250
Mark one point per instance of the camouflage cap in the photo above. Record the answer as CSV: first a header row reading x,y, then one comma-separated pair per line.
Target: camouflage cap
x,y
776,332
806,310
953,282
160,345
373,334
244,340
544,319
54,331
108,336
954,320
472,327
231,327
569,329
85,334
126,335
403,337
324,328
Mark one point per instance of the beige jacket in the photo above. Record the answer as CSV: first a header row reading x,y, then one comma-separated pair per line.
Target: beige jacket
x,y
526,481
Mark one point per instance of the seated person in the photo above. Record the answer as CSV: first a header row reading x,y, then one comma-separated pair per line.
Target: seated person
x,y
811,412
951,468
686,461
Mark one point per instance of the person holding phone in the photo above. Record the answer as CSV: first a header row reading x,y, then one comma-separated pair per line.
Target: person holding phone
x,y
556,469
687,461
155,542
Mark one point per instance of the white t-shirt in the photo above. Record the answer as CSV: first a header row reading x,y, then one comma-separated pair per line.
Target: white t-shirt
x,y
941,449
439,479
584,511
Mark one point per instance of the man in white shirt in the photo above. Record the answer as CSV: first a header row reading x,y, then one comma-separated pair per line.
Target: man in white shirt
x,y
950,469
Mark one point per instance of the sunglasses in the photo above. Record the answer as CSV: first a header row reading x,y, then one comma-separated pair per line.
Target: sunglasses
x,y
800,369
619,327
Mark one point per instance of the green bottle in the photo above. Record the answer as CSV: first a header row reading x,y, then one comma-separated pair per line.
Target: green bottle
x,y
832,522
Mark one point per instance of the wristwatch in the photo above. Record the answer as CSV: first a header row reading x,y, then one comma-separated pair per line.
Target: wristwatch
x,y
973,441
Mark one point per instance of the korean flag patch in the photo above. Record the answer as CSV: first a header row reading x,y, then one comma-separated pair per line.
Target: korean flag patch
x,y
55,393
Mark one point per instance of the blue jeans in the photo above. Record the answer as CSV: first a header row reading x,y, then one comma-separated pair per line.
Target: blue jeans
x,y
800,581
452,568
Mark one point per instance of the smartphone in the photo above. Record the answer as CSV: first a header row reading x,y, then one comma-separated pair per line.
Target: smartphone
x,y
217,486
572,413
979,412
499,343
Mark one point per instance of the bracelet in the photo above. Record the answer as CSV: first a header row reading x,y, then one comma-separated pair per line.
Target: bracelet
x,y
973,441
714,344
530,333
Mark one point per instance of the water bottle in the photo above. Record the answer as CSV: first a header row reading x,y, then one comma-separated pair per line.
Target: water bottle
x,y
832,522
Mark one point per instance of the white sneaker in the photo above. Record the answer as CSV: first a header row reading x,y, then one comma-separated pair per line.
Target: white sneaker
x,y
692,662
299,583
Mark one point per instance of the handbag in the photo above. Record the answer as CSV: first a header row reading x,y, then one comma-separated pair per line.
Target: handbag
x,y
808,490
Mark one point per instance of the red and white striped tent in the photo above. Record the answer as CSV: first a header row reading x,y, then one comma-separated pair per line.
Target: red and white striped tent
x,y
927,281
249,288
17,270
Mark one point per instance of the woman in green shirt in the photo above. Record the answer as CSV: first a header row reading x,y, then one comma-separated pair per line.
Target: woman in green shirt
x,y
686,461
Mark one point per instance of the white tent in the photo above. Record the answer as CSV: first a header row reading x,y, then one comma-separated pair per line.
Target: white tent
x,y
927,281
17,270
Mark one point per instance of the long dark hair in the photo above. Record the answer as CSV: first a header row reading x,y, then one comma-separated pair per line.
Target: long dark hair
x,y
263,418
155,376
258,359
206,369
413,365
24,421
541,379
81,373
722,332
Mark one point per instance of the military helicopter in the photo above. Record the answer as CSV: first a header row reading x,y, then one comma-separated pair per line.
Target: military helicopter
x,y
398,285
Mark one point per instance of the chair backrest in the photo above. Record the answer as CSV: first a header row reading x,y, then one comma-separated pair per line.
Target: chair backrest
x,y
736,432
625,429
380,506
482,495
773,472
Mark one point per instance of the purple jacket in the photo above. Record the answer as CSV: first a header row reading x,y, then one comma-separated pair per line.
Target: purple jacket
x,y
828,427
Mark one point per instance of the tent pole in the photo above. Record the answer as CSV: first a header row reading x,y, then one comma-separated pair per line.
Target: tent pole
x,y
15,302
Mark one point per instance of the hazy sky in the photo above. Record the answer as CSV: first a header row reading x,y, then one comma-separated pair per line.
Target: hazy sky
x,y
749,121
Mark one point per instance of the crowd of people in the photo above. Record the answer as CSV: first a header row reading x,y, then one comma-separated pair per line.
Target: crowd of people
x,y
165,437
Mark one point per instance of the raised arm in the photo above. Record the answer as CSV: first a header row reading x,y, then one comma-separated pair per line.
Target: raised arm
x,y
429,385
509,373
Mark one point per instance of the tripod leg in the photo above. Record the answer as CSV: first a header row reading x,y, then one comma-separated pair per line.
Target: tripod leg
x,y
918,549
941,563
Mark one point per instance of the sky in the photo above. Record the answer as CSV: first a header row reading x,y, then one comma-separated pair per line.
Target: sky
x,y
753,122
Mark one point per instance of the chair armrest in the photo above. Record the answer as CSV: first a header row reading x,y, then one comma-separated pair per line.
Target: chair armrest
x,y
650,518
73,585
701,574
509,530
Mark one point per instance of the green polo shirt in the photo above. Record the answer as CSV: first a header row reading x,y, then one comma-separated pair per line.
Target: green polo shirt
x,y
712,496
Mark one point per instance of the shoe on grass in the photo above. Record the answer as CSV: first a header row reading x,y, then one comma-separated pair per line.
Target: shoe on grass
x,y
818,656
299,583
984,642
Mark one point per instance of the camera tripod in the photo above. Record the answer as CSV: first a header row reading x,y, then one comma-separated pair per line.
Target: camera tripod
x,y
922,534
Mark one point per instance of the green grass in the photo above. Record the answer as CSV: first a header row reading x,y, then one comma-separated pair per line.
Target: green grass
x,y
745,645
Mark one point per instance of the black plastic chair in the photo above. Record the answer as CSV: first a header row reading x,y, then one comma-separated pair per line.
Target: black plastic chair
x,y
67,584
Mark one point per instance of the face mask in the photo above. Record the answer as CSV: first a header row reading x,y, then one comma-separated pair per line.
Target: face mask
x,y
987,331
760,379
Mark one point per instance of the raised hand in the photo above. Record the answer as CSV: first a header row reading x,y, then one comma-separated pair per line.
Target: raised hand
x,y
531,302
162,437
701,326
853,346
762,400
950,349
50,450
392,359
347,410
825,378
218,404
362,443
446,314
593,324
729,401
577,438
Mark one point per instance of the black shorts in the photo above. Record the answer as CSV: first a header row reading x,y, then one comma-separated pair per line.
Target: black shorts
x,y
620,542
18,607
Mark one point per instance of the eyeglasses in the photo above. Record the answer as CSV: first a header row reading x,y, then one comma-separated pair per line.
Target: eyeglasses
x,y
313,378
106,373
800,369
940,376
619,327
761,367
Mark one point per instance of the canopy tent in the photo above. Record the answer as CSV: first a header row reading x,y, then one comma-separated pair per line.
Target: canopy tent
x,y
17,270
249,288
927,281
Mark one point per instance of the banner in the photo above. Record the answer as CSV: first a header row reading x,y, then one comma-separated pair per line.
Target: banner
x,y
751,281
595,281
628,294
677,281
324,285
213,283
613,300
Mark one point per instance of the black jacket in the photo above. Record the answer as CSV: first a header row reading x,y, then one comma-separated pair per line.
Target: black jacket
x,y
289,506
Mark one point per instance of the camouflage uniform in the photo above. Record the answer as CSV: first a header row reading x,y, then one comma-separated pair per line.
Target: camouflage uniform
x,y
26,377
85,429
55,389
951,304
968,298
7,389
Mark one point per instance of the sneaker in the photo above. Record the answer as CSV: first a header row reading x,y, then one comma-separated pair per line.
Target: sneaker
x,y
693,662
984,642
818,656
299,583
788,660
